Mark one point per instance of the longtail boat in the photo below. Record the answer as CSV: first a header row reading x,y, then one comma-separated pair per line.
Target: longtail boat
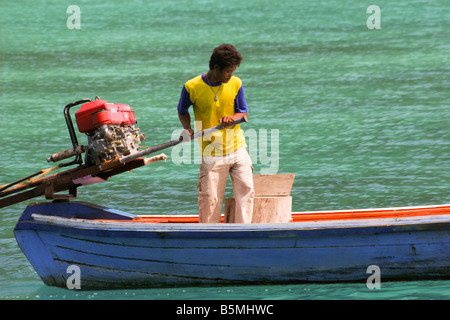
x,y
115,249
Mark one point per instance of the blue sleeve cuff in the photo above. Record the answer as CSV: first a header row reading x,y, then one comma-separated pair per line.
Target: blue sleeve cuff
x,y
185,102
240,105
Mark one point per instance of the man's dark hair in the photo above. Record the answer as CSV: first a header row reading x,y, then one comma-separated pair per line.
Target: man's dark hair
x,y
224,56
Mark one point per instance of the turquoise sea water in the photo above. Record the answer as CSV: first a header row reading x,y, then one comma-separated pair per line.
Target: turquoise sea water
x,y
360,115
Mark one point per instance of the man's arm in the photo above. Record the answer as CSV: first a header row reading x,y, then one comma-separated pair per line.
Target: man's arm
x,y
240,109
185,120
184,116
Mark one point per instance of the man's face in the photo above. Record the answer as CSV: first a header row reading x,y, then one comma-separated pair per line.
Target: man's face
x,y
225,74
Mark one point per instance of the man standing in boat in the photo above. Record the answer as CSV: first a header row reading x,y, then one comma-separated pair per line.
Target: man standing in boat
x,y
218,98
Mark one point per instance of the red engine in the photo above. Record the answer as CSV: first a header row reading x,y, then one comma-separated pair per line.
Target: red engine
x,y
93,115
111,130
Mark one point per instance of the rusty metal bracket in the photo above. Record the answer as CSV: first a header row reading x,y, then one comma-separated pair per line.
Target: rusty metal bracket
x,y
49,191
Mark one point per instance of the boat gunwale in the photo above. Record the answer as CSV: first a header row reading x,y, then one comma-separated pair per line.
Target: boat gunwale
x,y
424,217
238,227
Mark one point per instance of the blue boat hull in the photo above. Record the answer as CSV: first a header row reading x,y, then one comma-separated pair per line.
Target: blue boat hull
x,y
114,252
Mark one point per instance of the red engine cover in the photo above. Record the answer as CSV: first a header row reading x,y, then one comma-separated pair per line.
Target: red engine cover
x,y
99,112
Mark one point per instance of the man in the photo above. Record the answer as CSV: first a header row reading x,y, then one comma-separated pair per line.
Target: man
x,y
218,97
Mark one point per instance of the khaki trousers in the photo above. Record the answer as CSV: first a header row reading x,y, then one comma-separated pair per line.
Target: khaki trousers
x,y
212,181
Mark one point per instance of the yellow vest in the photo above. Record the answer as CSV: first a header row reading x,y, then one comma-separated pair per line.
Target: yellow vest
x,y
208,112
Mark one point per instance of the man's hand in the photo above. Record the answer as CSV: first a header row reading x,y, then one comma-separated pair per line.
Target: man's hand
x,y
226,121
229,120
186,135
